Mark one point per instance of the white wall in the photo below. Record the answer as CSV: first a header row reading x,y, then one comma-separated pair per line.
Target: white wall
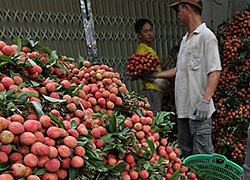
x,y
240,4
217,11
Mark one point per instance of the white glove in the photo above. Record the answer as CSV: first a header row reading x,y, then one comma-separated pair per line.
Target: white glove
x,y
201,110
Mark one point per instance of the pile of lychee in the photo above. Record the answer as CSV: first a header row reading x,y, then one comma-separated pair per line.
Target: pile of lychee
x,y
46,139
32,143
141,65
232,96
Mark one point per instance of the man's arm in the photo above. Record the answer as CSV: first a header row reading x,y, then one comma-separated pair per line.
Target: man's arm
x,y
213,79
168,74
166,62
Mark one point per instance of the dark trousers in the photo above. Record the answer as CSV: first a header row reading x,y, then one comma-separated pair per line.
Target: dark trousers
x,y
246,166
194,137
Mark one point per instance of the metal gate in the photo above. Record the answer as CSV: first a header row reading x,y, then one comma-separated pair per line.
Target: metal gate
x,y
54,23
58,24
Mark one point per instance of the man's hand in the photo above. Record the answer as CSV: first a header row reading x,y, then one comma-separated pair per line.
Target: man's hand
x,y
149,78
201,110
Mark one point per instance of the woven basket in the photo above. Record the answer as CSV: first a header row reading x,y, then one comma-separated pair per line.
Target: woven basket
x,y
213,167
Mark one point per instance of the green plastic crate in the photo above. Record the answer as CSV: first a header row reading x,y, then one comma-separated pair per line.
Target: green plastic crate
x,y
213,167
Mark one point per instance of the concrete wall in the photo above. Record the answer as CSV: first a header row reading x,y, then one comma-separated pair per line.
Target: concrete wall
x,y
217,11
240,5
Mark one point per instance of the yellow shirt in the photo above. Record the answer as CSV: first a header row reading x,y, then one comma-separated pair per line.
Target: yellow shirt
x,y
142,48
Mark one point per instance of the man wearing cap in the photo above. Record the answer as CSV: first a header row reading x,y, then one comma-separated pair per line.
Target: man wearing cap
x,y
196,75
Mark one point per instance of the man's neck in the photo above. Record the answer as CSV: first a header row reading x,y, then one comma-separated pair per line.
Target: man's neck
x,y
194,24
148,44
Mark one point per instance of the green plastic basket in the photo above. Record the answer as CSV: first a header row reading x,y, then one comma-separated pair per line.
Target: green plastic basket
x,y
213,167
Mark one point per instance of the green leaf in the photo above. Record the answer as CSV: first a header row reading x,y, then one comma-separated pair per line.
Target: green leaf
x,y
38,108
96,115
22,99
112,124
160,160
121,149
72,173
120,118
31,61
47,50
138,111
107,138
10,105
183,178
5,58
81,58
109,147
57,120
160,117
134,140
51,62
126,130
27,94
40,172
105,116
175,175
138,157
4,166
96,161
91,152
54,100
75,92
143,163
73,124
162,122
81,143
84,138
147,152
70,59
35,84
3,63
151,146
120,167
2,94
19,45
10,92
102,169
20,86
32,43
53,55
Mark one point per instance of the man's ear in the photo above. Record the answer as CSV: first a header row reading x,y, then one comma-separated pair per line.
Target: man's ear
x,y
188,7
139,35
